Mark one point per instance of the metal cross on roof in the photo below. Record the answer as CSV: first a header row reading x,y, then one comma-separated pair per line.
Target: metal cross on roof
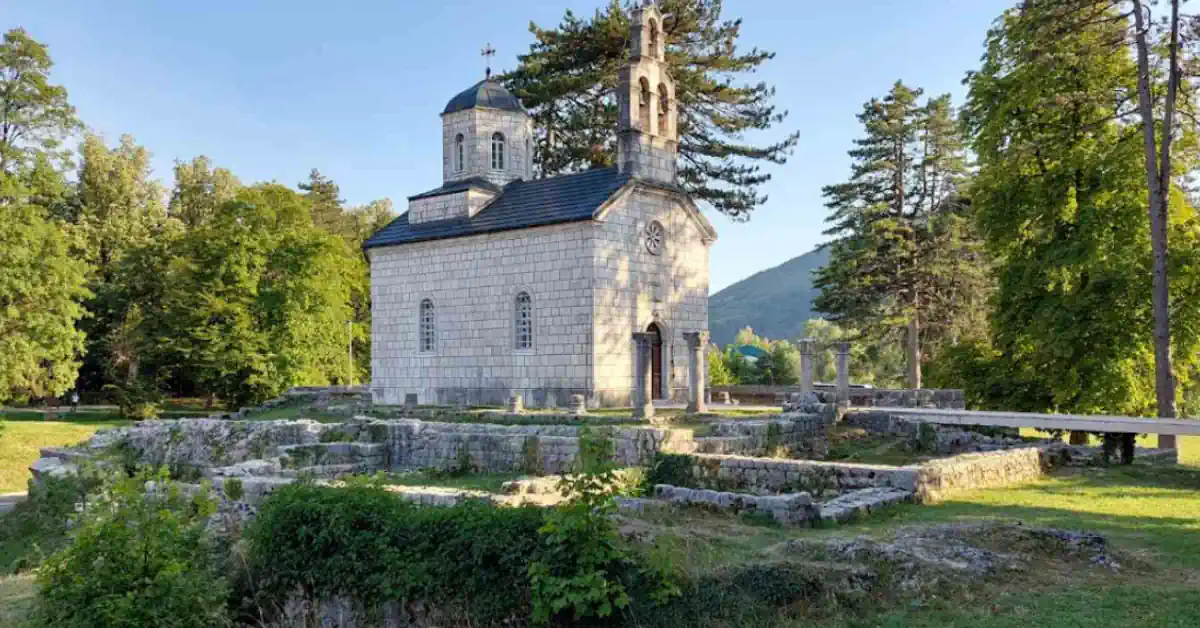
x,y
488,52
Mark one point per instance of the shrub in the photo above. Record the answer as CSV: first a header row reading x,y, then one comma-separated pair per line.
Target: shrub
x,y
370,545
39,524
136,558
673,469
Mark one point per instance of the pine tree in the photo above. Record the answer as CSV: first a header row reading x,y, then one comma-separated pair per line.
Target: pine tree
x,y
568,81
326,202
903,260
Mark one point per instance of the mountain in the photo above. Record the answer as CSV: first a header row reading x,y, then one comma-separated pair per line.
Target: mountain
x,y
775,302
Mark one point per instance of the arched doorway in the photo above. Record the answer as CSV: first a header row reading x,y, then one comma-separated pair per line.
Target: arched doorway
x,y
656,361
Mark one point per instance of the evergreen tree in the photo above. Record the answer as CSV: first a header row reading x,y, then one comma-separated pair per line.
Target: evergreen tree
x,y
325,201
568,81
1061,198
903,257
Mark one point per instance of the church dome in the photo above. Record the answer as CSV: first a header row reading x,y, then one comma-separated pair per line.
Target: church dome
x,y
488,94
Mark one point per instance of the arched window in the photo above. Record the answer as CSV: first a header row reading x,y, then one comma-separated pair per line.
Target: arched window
x,y
458,152
428,329
653,39
524,322
644,104
497,151
664,106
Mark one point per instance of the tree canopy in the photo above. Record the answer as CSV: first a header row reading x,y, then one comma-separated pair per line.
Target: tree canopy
x,y
568,81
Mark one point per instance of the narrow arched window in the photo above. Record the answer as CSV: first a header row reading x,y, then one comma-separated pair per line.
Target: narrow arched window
x,y
644,104
497,151
653,39
458,152
428,328
664,107
524,322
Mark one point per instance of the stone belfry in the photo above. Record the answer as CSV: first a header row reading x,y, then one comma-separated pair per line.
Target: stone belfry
x,y
647,140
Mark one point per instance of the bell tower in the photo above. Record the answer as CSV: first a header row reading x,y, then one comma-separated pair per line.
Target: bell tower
x,y
647,139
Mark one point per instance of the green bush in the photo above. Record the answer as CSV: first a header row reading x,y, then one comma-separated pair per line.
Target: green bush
x,y
368,544
673,469
39,524
136,558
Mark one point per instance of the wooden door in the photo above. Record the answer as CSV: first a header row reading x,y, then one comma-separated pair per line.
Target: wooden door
x,y
656,362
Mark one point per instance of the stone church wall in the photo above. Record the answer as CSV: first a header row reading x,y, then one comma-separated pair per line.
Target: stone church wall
x,y
473,282
635,288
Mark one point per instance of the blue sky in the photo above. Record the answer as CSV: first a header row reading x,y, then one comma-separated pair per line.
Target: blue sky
x,y
271,90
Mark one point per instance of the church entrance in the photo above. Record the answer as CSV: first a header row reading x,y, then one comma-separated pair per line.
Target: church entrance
x,y
656,362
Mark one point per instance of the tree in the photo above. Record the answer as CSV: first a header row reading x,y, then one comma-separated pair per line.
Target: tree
x,y
568,81
259,298
117,208
1061,195
718,373
41,287
324,197
199,190
35,116
903,255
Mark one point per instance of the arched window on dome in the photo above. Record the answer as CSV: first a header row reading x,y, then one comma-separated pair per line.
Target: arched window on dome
x,y
458,152
428,327
523,322
664,107
497,151
653,39
644,103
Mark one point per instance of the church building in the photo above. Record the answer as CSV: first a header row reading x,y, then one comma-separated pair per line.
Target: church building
x,y
496,283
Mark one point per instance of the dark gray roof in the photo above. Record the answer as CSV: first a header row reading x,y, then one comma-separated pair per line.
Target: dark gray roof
x,y
485,93
565,198
451,187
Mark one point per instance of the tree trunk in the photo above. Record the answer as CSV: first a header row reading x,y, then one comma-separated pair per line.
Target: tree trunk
x,y
913,341
1158,182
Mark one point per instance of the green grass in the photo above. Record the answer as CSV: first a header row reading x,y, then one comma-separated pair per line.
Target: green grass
x,y
16,600
21,440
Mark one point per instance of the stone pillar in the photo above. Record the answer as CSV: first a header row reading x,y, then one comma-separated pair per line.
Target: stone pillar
x,y
696,341
578,405
843,372
516,403
643,405
808,348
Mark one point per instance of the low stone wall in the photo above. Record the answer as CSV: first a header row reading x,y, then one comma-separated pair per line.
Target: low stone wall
x,y
942,440
940,479
744,473
792,508
948,398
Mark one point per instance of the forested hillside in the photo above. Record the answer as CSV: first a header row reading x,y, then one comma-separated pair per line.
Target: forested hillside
x,y
775,302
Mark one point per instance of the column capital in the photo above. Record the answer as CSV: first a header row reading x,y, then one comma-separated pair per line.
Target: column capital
x,y
843,348
643,338
808,346
696,339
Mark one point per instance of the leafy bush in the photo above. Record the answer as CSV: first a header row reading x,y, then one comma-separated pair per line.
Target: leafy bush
x,y
365,543
39,524
583,565
673,469
136,558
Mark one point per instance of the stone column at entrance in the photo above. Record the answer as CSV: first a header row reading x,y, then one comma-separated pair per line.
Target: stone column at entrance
x,y
843,372
696,341
808,347
643,405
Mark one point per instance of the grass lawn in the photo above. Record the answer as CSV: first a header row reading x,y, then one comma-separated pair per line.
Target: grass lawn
x,y
21,440
16,599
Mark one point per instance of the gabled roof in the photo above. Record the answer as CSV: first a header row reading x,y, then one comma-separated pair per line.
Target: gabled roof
x,y
478,183
521,204
485,93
